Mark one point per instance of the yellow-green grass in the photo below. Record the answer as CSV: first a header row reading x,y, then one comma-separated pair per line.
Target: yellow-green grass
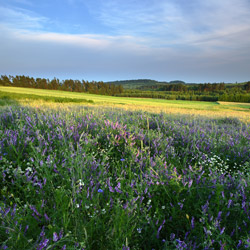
x,y
211,109
108,99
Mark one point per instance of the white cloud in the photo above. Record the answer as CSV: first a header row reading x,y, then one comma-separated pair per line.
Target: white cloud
x,y
204,26
18,18
205,23
150,39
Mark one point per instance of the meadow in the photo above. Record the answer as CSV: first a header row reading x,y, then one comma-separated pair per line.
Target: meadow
x,y
121,173
26,96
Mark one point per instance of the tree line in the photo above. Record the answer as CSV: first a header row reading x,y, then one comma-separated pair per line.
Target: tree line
x,y
92,87
182,87
175,90
194,92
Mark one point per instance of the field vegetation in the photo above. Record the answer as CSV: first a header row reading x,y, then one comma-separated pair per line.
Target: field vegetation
x,y
122,173
7,98
179,90
36,97
142,88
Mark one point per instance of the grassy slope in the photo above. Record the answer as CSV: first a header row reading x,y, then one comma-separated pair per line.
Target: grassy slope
x,y
221,109
111,99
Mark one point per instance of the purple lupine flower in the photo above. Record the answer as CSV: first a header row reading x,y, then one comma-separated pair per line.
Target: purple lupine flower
x,y
46,217
26,228
172,236
13,211
181,244
243,204
229,203
125,205
222,194
181,205
42,234
43,244
222,230
118,190
111,189
43,203
190,183
39,183
219,215
6,211
159,229
34,210
61,234
205,207
55,237
192,222
239,244
125,248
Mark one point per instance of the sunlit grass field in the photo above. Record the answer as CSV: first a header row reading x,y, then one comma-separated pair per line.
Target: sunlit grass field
x,y
209,109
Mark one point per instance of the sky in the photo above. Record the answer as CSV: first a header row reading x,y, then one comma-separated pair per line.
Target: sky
x,y
106,40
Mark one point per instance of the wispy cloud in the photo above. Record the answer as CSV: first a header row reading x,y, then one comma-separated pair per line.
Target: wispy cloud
x,y
154,39
19,18
202,24
206,23
25,25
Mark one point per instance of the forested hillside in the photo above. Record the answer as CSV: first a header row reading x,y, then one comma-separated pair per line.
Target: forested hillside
x,y
65,85
133,84
144,88
178,90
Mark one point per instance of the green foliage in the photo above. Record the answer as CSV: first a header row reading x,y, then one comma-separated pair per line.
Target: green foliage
x,y
143,88
178,90
7,98
66,85
97,178
133,84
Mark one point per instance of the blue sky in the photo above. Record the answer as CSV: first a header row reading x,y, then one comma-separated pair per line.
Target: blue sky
x,y
190,40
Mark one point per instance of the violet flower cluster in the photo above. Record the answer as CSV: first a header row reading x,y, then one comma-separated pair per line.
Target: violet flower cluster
x,y
102,178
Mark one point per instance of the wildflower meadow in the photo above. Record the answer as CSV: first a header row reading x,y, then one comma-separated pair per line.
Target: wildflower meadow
x,y
84,177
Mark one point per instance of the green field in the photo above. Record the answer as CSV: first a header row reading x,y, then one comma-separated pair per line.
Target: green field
x,y
108,99
241,111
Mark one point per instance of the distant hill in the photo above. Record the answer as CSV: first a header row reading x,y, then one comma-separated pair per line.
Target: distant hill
x,y
177,82
134,84
175,85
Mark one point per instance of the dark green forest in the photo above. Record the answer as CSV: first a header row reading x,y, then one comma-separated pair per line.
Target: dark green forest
x,y
144,88
93,87
179,90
